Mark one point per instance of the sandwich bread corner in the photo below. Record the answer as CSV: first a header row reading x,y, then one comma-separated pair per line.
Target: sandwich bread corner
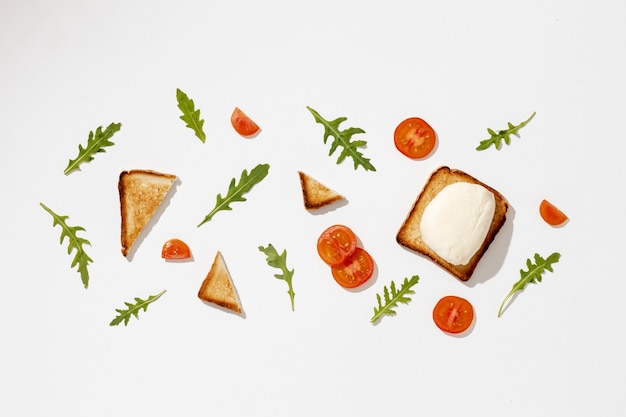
x,y
141,193
316,195
218,287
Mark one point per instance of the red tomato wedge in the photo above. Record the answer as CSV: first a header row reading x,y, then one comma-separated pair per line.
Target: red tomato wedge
x,y
551,215
415,138
453,314
175,249
355,270
336,244
243,124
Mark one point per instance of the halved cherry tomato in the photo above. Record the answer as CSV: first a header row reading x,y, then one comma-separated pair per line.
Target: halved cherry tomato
x,y
336,244
175,249
355,270
414,138
551,215
243,124
453,314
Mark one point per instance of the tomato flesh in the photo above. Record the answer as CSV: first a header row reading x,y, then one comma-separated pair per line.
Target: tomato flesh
x,y
336,244
243,124
551,214
453,314
355,270
414,138
175,249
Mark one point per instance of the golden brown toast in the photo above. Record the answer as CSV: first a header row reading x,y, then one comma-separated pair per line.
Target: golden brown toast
x,y
141,194
410,235
218,287
315,194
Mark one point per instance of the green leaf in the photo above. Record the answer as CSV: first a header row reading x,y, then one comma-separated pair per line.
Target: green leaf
x,y
74,243
532,276
190,116
497,137
96,142
134,309
343,138
280,261
237,190
392,297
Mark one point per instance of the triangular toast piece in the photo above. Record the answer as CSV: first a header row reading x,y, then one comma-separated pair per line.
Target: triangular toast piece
x,y
141,194
218,287
315,194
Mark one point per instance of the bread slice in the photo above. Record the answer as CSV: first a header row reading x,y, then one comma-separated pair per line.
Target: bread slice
x,y
141,194
218,287
315,194
410,233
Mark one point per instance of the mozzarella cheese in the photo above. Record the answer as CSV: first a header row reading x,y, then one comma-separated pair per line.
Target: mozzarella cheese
x,y
456,221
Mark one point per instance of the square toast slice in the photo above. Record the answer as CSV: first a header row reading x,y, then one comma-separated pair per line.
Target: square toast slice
x,y
410,233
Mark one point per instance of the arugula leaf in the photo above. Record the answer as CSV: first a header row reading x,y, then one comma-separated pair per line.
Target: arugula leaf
x,y
74,243
532,276
134,309
96,142
496,138
236,191
393,298
343,138
191,116
280,261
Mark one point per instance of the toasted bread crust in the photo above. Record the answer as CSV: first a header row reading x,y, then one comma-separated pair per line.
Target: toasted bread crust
x,y
409,234
141,193
218,287
316,195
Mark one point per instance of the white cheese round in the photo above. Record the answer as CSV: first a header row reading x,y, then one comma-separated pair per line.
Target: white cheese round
x,y
456,221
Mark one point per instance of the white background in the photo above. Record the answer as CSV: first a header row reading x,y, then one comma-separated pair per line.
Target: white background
x,y
67,67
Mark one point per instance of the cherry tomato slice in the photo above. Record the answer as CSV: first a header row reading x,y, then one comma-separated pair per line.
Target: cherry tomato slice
x,y
355,270
551,215
453,314
175,249
336,244
243,124
414,138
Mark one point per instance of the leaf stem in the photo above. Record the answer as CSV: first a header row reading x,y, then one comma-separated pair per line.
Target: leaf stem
x,y
525,122
509,295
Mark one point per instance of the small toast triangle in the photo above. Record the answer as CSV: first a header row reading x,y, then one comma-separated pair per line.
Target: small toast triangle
x,y
218,287
141,194
315,194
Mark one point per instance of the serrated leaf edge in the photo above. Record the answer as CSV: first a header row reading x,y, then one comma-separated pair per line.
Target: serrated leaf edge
x,y
191,115
236,190
134,309
275,260
96,143
343,139
496,138
74,243
532,276
392,299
